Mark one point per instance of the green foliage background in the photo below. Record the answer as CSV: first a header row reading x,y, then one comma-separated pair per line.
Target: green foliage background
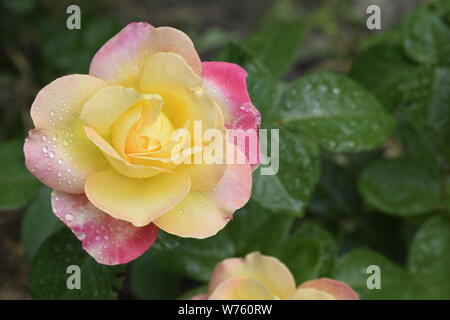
x,y
364,152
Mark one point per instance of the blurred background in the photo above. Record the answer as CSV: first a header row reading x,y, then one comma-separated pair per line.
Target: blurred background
x,y
36,47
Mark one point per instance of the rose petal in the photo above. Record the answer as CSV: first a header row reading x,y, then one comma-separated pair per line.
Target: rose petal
x,y
203,176
61,101
173,40
168,75
107,105
340,290
201,296
226,83
120,60
227,269
138,201
270,272
241,289
109,241
234,188
196,216
120,164
57,151
267,271
310,294
62,158
204,213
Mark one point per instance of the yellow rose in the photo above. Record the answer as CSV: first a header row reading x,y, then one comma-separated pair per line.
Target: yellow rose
x,y
258,277
105,143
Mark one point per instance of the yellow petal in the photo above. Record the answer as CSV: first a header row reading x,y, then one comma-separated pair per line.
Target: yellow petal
x,y
203,176
270,272
310,294
146,111
57,151
241,289
138,201
168,75
196,216
107,105
119,163
61,101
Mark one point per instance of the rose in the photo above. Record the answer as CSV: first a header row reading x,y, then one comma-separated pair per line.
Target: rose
x,y
103,142
258,277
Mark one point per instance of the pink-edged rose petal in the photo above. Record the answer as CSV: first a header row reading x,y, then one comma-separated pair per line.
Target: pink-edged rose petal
x,y
60,160
234,189
340,290
108,240
57,152
121,59
226,83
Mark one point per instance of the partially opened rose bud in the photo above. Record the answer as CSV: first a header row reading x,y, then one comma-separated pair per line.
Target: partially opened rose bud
x,y
258,277
105,143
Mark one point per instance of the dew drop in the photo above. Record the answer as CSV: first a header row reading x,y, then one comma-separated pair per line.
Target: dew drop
x,y
68,217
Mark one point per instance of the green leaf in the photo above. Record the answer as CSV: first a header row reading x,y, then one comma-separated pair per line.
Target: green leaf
x,y
335,111
149,280
245,230
276,44
48,277
335,194
17,185
38,223
426,37
309,252
381,69
403,186
396,283
439,99
429,260
426,90
196,258
289,190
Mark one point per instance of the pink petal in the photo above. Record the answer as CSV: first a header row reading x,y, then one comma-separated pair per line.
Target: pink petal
x,y
226,83
109,241
227,269
121,59
234,189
